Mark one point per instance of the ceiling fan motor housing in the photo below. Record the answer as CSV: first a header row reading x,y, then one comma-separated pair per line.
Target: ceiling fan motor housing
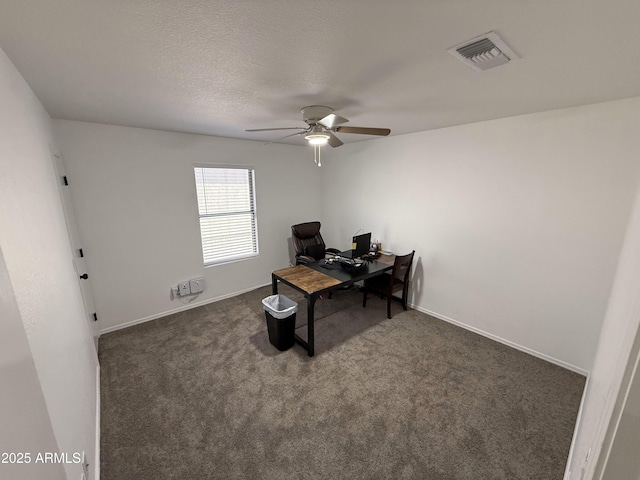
x,y
314,113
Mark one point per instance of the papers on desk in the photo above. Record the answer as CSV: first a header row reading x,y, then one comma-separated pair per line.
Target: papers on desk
x,y
386,252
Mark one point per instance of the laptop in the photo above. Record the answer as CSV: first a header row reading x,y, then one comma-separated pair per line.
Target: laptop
x,y
360,246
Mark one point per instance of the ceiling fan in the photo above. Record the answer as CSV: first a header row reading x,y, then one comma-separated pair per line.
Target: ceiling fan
x,y
322,123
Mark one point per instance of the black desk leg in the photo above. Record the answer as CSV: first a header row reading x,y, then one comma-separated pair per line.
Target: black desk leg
x,y
311,301
274,285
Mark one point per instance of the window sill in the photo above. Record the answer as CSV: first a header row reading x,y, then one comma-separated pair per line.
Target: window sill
x,y
231,260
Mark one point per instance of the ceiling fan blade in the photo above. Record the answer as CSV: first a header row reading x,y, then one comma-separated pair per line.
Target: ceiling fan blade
x,y
364,130
332,120
333,140
268,129
286,136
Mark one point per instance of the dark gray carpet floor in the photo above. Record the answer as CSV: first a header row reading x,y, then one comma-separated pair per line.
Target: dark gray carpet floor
x,y
202,394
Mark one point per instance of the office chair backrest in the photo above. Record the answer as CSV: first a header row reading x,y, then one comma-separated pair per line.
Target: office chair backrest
x,y
402,267
307,240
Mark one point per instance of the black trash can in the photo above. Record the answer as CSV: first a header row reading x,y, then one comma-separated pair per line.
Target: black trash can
x,y
281,320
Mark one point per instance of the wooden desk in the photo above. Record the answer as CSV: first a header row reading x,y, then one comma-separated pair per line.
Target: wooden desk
x,y
313,280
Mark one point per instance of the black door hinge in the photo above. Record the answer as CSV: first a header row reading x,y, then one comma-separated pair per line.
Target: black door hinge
x,y
64,179
95,317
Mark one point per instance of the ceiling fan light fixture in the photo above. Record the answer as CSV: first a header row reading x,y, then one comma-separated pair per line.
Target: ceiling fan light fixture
x,y
317,138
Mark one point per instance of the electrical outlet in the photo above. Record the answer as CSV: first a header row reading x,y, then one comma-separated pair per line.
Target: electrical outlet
x,y
174,293
197,285
184,288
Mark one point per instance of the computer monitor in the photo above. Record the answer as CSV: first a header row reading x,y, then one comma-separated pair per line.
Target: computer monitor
x,y
361,245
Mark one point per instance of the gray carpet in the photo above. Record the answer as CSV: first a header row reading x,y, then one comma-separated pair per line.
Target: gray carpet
x,y
202,394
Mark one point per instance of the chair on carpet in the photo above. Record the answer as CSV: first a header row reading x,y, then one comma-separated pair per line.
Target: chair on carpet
x,y
308,243
389,283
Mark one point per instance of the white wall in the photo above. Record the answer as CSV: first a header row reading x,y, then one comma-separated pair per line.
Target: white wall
x,y
23,412
37,254
517,223
134,194
616,340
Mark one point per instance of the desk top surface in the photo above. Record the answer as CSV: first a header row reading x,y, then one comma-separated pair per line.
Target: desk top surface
x,y
306,278
313,277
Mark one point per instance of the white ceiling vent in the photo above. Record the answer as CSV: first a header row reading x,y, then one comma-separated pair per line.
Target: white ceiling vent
x,y
483,52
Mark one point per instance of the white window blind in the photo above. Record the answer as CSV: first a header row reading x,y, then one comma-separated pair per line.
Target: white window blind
x,y
226,205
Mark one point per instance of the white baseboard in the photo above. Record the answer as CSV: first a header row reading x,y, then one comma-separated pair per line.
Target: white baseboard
x,y
508,343
177,310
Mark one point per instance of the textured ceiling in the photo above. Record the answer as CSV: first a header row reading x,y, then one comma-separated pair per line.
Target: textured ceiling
x,y
220,67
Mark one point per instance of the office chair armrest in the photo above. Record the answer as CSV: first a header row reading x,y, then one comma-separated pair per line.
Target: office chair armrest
x,y
302,259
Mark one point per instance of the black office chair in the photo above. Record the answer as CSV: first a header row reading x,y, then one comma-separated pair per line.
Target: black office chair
x,y
308,243
388,283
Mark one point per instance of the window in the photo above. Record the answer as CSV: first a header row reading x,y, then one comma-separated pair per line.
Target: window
x,y
227,209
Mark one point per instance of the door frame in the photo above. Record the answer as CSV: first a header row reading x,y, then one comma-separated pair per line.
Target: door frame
x,y
77,252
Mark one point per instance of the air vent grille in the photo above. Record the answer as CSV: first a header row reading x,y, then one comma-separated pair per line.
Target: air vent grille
x,y
483,52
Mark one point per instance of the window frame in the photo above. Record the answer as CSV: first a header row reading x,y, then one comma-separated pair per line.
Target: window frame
x,y
253,210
